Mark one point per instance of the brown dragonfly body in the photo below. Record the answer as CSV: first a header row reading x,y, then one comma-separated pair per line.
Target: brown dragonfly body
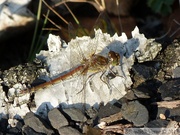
x,y
96,63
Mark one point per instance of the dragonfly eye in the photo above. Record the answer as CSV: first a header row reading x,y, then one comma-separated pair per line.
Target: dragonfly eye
x,y
114,58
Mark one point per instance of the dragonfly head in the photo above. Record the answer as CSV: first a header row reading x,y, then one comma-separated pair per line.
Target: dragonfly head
x,y
114,58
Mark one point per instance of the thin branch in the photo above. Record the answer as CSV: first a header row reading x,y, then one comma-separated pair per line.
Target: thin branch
x,y
52,22
98,7
72,14
168,104
55,12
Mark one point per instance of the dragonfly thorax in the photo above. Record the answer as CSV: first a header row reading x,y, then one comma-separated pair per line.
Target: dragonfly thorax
x,y
98,62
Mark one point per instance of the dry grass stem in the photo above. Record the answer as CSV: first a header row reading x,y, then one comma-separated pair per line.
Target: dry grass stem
x,y
96,4
55,12
52,22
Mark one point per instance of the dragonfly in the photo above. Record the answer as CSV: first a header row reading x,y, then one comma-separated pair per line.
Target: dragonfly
x,y
85,71
88,59
96,63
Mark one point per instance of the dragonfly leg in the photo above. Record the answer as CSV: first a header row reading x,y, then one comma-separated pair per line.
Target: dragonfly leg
x,y
114,74
105,81
88,79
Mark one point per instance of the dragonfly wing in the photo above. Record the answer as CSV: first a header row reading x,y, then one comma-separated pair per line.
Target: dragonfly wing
x,y
71,31
104,23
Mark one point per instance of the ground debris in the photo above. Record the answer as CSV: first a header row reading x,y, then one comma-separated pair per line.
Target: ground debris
x,y
170,60
170,90
168,104
67,130
37,124
118,128
57,119
75,114
135,112
112,118
171,129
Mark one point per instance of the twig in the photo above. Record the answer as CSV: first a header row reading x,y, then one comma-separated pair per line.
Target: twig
x,y
55,12
52,22
119,128
168,104
97,5
112,118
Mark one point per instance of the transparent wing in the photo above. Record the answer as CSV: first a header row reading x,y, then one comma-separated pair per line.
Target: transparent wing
x,y
71,31
104,23
80,49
